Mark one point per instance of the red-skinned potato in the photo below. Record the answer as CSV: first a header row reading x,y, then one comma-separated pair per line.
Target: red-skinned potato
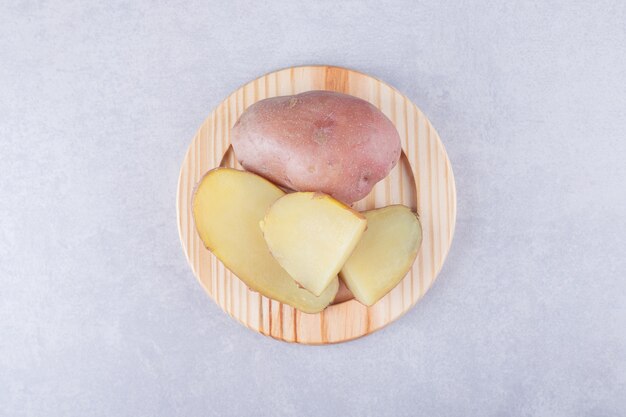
x,y
318,141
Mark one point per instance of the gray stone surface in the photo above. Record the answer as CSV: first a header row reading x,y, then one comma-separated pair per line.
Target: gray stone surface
x,y
100,314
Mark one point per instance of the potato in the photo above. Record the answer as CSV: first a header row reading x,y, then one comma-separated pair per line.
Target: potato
x,y
317,141
384,254
227,208
343,293
311,235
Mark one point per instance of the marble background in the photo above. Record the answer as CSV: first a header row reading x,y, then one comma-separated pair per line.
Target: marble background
x,y
100,314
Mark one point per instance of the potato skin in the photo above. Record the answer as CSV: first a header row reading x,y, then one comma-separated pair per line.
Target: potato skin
x,y
317,141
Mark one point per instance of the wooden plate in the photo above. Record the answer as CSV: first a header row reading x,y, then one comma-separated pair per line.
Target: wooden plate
x,y
422,180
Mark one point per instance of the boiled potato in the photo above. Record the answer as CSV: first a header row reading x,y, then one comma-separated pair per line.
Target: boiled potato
x,y
384,254
311,235
343,293
317,141
227,208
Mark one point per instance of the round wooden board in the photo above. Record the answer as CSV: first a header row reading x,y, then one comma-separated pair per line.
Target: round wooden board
x,y
422,180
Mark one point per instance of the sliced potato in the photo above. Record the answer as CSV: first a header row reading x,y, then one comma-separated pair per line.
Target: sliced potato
x,y
384,254
311,235
227,208
343,293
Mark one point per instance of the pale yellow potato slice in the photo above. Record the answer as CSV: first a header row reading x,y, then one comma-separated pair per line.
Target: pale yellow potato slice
x,y
311,235
384,254
227,207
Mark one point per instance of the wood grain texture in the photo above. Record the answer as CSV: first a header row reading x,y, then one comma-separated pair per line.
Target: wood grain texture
x,y
422,180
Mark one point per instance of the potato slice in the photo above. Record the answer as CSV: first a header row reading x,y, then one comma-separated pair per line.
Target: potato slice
x,y
343,293
311,235
384,254
227,208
